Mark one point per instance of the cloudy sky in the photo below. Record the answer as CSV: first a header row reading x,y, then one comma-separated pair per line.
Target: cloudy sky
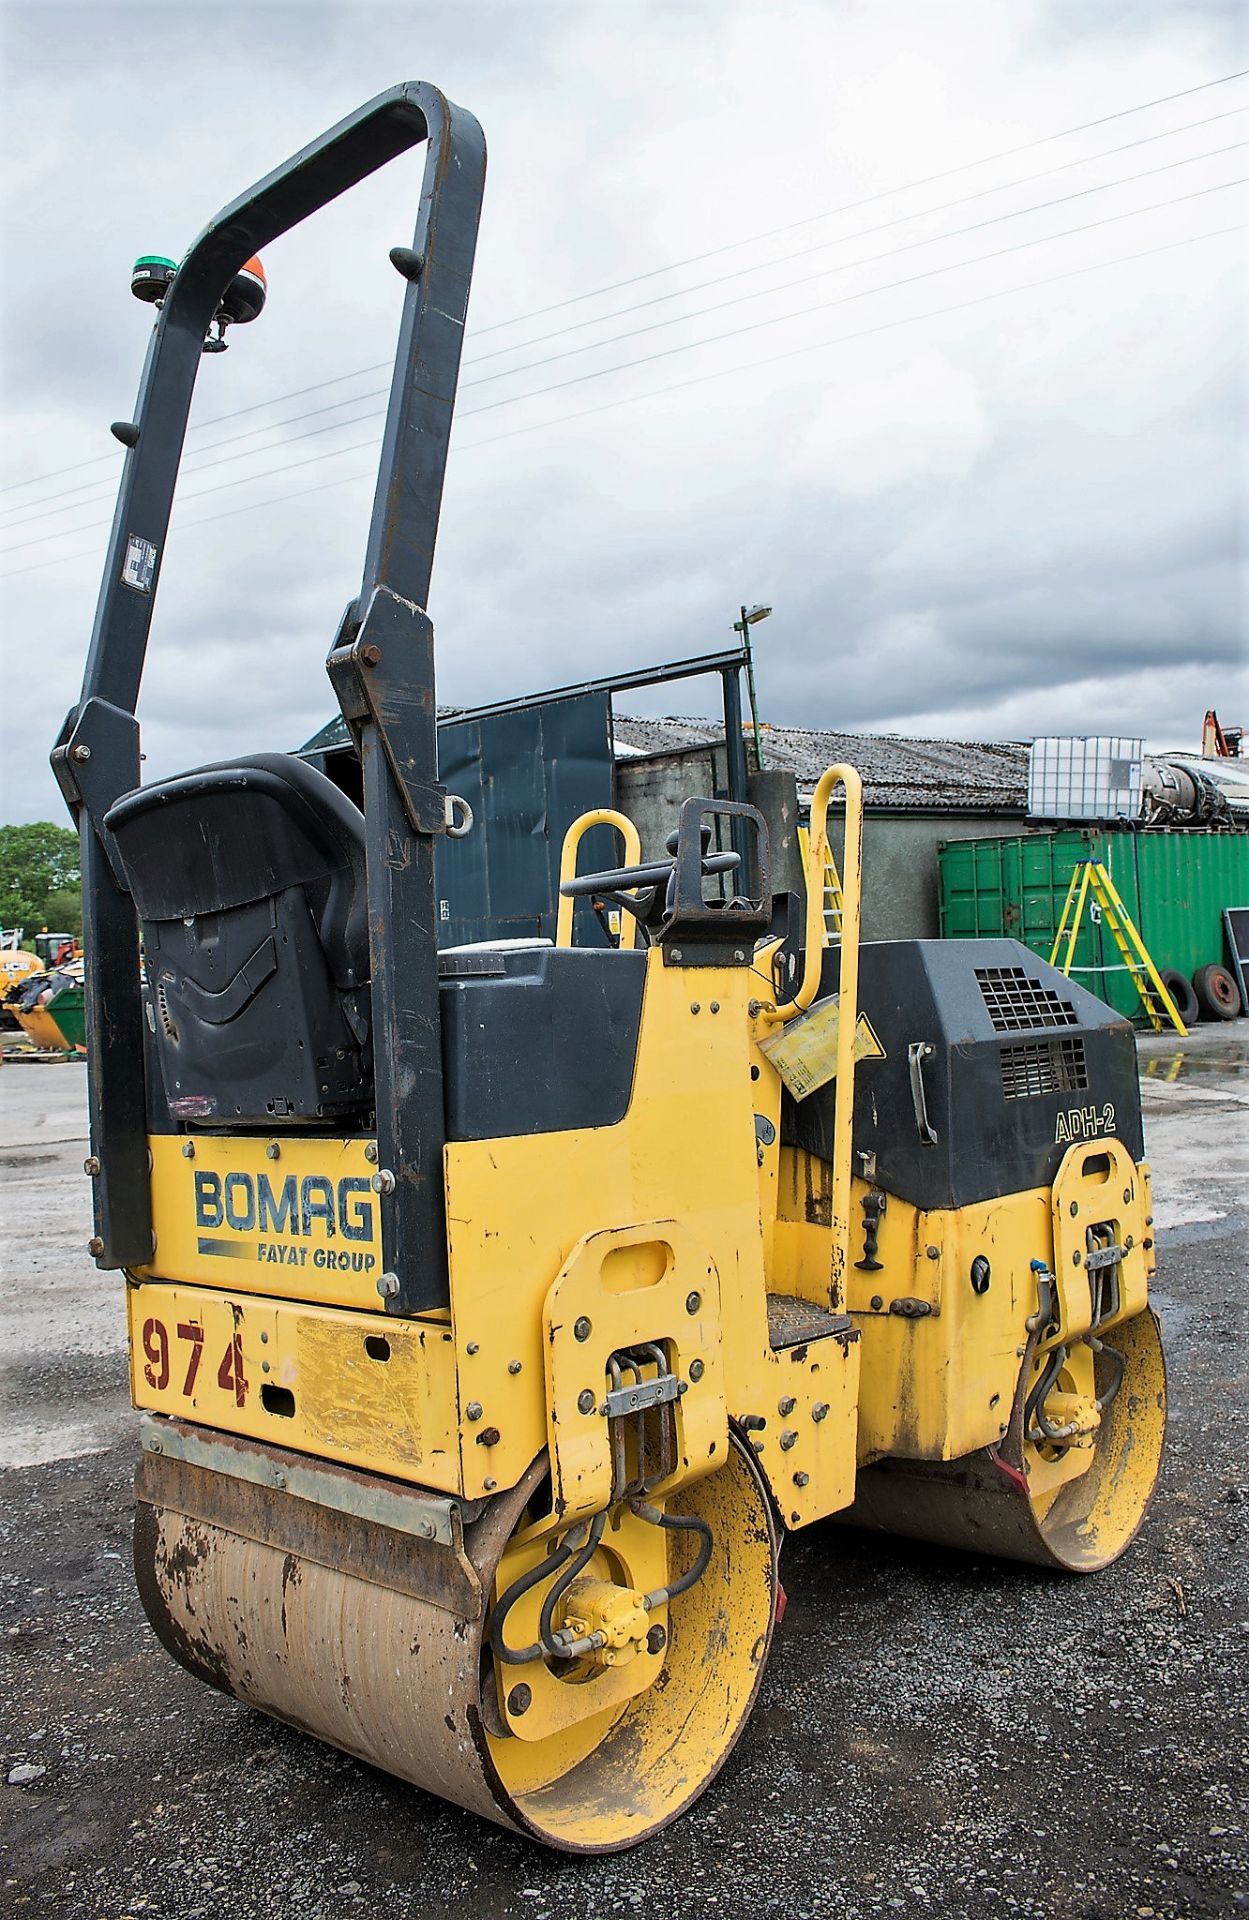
x,y
895,338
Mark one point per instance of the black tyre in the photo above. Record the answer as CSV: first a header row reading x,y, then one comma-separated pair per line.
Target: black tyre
x,y
1218,996
1180,988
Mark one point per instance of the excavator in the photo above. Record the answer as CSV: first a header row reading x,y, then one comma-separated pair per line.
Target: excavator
x,y
495,1313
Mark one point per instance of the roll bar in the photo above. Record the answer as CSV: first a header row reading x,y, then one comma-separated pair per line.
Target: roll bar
x,y
381,666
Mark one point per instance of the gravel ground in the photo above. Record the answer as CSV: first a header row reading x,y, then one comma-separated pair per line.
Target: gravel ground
x,y
938,1735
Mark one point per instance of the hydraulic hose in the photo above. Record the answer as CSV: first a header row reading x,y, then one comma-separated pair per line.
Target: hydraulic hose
x,y
1117,1363
582,1558
1040,1393
675,1523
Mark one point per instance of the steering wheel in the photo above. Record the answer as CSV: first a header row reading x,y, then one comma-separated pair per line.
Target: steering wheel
x,y
637,889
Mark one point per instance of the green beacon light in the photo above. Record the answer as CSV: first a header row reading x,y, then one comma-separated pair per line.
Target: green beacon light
x,y
152,275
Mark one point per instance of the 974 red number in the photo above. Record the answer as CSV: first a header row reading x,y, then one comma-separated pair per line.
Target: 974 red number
x,y
156,1366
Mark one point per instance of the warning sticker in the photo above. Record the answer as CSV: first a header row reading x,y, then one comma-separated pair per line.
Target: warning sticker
x,y
804,1051
139,564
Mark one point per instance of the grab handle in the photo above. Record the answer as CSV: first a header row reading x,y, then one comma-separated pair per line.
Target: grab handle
x,y
916,1054
598,817
848,778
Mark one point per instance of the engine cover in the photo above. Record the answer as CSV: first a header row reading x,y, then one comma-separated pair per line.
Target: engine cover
x,y
1018,1063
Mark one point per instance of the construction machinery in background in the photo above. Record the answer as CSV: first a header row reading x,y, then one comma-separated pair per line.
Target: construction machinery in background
x,y
1219,742
494,1314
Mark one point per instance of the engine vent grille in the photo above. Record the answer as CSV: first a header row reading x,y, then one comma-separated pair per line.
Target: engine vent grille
x,y
1017,1003
1032,1067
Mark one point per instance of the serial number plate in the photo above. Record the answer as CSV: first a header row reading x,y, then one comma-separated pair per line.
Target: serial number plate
x,y
161,1364
187,1355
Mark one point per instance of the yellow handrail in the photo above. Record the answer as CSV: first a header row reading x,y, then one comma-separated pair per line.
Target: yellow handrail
x,y
851,885
599,817
848,984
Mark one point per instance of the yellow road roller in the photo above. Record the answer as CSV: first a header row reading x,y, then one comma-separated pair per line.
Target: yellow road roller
x,y
494,1313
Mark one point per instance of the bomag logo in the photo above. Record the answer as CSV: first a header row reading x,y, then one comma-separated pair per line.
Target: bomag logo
x,y
244,1216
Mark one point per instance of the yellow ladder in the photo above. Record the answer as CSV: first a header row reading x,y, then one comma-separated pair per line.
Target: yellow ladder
x,y
833,903
1091,876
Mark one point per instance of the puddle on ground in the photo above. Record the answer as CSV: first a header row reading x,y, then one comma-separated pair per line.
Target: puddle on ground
x,y
1184,1064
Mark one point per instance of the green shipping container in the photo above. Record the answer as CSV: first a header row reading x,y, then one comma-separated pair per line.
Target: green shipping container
x,y
1174,884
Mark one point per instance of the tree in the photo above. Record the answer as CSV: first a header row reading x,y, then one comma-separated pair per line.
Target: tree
x,y
38,864
62,911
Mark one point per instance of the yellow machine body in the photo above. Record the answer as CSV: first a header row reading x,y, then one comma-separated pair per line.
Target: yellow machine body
x,y
941,1361
423,1471
253,1259
16,965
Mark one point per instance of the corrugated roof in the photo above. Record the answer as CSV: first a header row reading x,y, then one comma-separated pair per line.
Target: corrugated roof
x,y
969,776
955,775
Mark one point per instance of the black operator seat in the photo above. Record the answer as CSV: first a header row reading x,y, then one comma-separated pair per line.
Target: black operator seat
x,y
249,882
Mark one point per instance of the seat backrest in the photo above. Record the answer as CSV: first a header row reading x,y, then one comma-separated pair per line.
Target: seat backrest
x,y
249,882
